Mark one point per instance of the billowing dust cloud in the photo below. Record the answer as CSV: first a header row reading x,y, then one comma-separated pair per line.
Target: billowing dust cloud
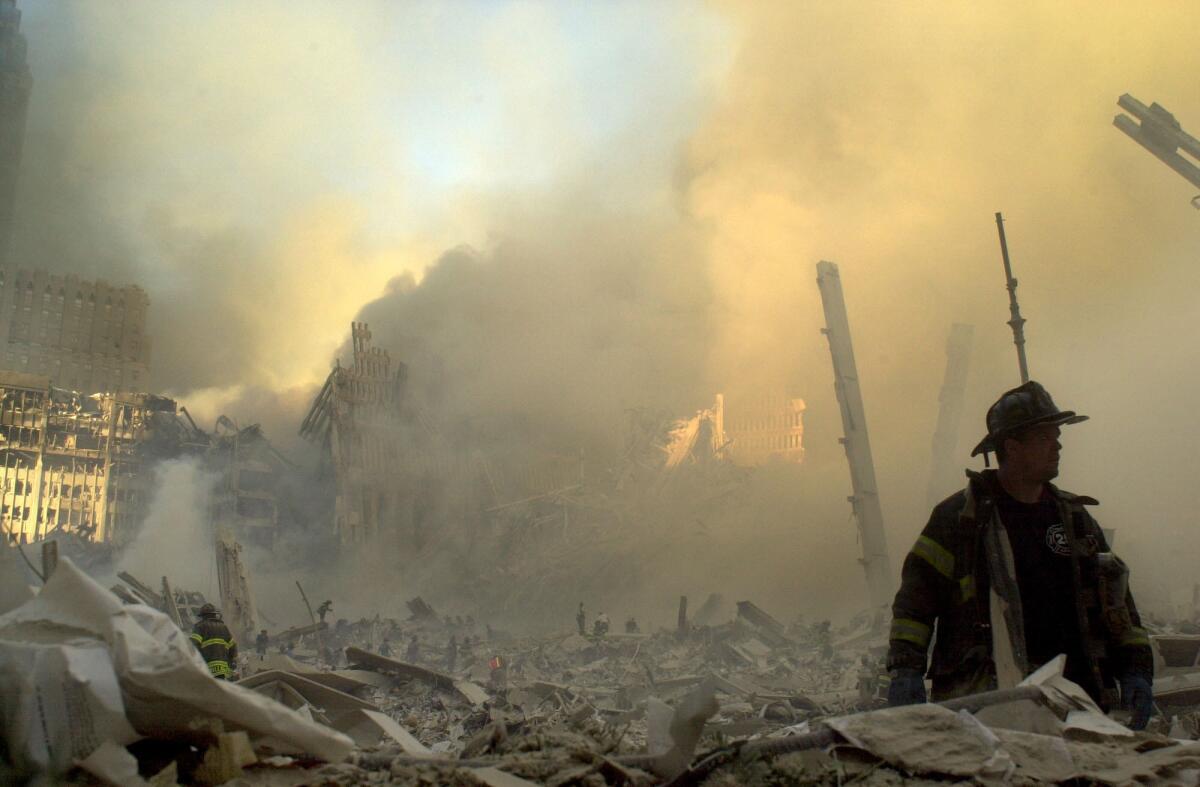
x,y
175,540
554,248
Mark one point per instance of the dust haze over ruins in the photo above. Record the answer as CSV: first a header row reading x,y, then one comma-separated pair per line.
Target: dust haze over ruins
x,y
569,229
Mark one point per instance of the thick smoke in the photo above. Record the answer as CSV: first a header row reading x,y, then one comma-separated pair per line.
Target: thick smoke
x,y
564,328
547,247
176,538
884,138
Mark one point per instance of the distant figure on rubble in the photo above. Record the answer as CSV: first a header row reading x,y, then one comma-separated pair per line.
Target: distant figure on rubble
x,y
451,654
600,626
414,650
823,636
260,644
1015,543
325,608
498,673
581,620
631,626
385,649
868,681
215,643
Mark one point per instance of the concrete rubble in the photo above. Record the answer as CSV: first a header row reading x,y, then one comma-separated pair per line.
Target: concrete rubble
x,y
747,700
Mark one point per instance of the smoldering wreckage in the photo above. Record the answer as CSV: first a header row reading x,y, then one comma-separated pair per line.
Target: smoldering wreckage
x,y
106,685
145,682
139,680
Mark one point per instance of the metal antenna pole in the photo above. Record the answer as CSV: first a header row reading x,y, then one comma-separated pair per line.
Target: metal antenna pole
x,y
1017,322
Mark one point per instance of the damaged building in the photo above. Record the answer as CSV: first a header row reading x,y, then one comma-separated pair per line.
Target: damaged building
x,y
248,497
747,430
388,468
77,464
357,419
85,465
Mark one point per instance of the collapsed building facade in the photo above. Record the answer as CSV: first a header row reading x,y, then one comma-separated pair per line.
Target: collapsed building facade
x,y
250,492
357,419
390,472
748,431
78,464
85,465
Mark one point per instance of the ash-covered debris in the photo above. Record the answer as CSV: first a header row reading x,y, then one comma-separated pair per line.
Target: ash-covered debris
x,y
437,699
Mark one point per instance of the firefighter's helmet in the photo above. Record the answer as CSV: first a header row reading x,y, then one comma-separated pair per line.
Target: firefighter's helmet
x,y
1024,406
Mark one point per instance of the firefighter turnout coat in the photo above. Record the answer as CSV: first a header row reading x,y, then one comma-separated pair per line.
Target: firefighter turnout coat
x,y
948,576
216,645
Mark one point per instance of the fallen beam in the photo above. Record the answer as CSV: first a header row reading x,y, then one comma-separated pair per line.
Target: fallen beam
x,y
369,728
471,692
296,632
142,591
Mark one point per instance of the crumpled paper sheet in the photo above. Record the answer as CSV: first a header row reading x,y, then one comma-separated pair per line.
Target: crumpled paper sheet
x,y
80,668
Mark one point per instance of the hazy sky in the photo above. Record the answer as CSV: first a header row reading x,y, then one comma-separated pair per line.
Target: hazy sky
x,y
645,189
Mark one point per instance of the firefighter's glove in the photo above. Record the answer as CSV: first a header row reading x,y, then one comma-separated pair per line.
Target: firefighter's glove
x,y
906,688
1137,696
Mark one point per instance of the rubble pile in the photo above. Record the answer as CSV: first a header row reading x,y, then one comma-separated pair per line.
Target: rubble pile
x,y
440,700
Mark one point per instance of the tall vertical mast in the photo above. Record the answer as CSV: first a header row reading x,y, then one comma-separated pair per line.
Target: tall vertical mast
x,y
1016,321
865,500
950,408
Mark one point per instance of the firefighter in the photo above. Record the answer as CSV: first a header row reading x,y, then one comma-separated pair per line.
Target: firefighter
x,y
413,654
1013,543
261,642
600,625
215,643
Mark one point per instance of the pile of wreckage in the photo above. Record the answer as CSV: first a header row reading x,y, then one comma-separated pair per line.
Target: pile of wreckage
x,y
102,689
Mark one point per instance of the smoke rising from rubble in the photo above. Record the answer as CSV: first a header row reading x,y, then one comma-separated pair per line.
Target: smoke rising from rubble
x,y
176,538
265,201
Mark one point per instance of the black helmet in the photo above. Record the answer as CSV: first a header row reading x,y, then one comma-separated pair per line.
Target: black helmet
x,y
1028,404
208,611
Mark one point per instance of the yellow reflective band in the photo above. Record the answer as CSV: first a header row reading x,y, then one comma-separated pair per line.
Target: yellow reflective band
x,y
913,631
1136,636
219,668
935,555
966,586
216,641
196,637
